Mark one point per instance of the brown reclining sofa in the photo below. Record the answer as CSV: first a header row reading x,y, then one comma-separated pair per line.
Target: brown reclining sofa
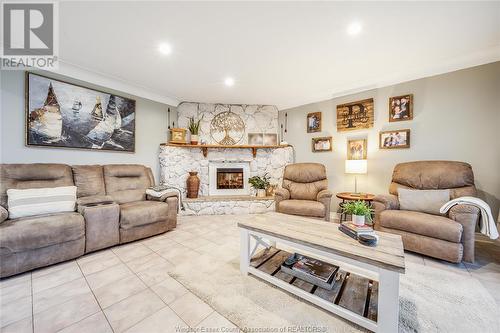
x,y
112,208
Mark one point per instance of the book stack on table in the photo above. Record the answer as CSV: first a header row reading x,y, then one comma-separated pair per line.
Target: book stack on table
x,y
355,231
312,270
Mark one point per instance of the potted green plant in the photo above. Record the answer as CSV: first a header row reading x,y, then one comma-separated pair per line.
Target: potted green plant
x,y
359,210
194,129
260,184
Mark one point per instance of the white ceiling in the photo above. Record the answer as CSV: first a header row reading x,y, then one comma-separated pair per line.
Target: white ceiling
x,y
282,53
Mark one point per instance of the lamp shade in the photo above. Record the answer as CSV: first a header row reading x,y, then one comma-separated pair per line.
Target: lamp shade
x,y
356,166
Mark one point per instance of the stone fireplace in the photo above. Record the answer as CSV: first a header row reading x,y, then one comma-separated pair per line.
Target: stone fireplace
x,y
176,163
224,172
228,178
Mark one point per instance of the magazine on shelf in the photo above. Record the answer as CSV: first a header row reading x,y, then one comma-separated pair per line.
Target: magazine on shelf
x,y
311,270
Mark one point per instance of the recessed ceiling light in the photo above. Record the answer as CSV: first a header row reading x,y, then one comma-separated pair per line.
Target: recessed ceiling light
x,y
354,28
165,48
229,81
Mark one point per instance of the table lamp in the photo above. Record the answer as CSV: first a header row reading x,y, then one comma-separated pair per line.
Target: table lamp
x,y
356,167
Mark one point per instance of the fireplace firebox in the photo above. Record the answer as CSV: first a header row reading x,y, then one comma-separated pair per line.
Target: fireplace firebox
x,y
229,178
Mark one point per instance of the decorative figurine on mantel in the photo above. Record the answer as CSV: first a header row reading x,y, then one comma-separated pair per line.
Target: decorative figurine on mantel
x,y
178,135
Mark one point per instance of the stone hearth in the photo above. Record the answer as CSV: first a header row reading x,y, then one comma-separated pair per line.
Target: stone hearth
x,y
177,162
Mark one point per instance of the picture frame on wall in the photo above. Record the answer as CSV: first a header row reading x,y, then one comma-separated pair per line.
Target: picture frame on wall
x,y
401,108
60,114
356,149
322,144
314,122
355,115
270,139
395,139
255,139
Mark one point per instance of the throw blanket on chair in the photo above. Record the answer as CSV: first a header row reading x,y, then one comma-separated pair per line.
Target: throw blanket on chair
x,y
487,223
161,190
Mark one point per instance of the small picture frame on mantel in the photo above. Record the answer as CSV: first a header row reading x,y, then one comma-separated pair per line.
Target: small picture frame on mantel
x,y
178,135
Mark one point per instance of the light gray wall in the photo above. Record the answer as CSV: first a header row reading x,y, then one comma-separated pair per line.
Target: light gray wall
x,y
151,130
456,117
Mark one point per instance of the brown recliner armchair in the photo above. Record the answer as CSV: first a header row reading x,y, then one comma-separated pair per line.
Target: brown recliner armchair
x,y
449,237
304,191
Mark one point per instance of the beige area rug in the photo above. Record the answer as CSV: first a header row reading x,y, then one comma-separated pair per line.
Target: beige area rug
x,y
431,300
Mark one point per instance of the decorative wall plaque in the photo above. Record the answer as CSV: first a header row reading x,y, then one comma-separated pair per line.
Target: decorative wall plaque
x,y
227,128
355,115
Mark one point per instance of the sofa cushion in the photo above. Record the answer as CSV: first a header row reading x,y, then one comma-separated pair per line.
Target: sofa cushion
x,y
133,214
127,182
89,180
305,180
423,224
36,175
426,201
302,207
37,201
29,233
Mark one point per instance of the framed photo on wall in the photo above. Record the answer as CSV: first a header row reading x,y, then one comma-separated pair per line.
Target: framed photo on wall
x,y
62,114
314,122
394,139
270,139
355,115
255,139
356,149
322,144
401,108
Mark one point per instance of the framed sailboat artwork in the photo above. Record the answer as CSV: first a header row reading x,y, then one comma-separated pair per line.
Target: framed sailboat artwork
x,y
66,115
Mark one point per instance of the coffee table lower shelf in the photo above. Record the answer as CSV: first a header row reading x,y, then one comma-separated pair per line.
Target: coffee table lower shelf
x,y
351,292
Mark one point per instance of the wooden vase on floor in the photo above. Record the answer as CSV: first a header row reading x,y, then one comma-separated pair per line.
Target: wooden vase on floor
x,y
193,185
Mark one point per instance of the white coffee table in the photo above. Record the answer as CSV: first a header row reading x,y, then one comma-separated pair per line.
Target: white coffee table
x,y
382,263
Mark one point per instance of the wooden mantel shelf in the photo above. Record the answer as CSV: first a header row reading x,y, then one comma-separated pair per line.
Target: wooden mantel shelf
x,y
204,148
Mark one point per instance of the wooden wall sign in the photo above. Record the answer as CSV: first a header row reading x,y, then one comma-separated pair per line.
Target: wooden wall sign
x,y
355,115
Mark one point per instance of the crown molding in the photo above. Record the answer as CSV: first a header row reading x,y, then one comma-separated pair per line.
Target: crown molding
x,y
115,83
446,66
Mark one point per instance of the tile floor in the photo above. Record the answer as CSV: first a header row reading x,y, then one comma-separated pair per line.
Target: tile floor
x,y
127,288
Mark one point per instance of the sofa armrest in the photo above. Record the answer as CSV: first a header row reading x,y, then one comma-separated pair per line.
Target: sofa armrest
x,y
325,197
389,201
383,202
467,216
4,214
164,197
324,194
281,194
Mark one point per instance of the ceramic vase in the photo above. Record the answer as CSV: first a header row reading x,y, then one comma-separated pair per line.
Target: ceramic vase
x,y
358,220
194,139
193,185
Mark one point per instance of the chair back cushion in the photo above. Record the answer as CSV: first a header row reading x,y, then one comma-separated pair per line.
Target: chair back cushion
x,y
29,176
305,180
427,201
127,182
89,180
434,175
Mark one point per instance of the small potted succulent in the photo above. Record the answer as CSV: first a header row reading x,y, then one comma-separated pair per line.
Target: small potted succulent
x,y
260,184
194,129
359,210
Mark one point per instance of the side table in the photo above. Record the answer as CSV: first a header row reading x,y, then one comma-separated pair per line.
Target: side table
x,y
348,196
